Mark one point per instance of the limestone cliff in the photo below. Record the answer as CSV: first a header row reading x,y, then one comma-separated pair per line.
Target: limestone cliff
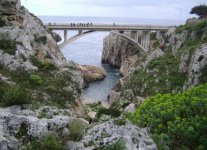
x,y
120,52
177,67
28,48
35,77
29,36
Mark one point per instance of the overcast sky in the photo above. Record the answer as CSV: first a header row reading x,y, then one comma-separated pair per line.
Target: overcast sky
x,y
156,9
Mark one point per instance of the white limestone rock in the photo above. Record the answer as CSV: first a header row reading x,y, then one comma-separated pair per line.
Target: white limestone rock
x,y
197,67
12,118
108,133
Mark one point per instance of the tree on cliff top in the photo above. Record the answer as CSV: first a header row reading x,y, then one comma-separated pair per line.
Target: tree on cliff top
x,y
200,10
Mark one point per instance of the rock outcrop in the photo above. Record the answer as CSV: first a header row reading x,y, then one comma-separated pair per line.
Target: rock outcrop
x,y
29,35
120,53
197,68
91,73
17,125
108,133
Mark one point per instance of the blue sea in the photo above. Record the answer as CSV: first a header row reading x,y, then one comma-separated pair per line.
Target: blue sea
x,y
88,49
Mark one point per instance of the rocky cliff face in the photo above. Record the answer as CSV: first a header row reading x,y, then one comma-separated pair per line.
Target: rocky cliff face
x,y
33,71
29,36
27,46
181,65
120,53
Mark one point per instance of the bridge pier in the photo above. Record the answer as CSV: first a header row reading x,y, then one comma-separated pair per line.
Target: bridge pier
x,y
80,32
145,42
134,35
65,35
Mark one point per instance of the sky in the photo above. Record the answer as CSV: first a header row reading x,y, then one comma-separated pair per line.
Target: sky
x,y
147,9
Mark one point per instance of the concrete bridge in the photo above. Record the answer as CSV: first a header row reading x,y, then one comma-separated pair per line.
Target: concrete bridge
x,y
140,34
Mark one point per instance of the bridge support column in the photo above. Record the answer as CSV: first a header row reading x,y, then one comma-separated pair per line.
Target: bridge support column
x,y
80,32
158,35
145,40
65,35
134,35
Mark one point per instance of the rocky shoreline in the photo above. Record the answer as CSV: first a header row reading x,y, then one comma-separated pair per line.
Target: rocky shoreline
x,y
91,74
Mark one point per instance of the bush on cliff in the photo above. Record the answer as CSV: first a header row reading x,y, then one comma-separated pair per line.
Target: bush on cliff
x,y
161,76
48,142
40,39
195,32
13,95
8,46
177,121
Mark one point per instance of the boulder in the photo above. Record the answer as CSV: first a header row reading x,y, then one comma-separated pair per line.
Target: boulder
x,y
92,73
114,96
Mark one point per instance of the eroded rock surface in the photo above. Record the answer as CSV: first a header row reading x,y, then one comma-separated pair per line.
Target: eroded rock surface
x,y
108,133
18,124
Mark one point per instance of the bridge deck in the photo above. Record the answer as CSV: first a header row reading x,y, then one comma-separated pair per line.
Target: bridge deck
x,y
107,27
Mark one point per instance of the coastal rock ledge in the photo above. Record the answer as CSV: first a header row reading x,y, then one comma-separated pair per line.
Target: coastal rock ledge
x,y
91,73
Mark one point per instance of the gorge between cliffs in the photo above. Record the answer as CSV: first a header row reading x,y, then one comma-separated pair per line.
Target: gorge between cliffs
x,y
156,99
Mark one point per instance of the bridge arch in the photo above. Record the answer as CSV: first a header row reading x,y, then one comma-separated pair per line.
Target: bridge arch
x,y
73,38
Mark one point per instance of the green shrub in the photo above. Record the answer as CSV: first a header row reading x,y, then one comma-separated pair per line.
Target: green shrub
x,y
119,145
36,79
13,95
42,66
177,121
76,130
48,142
110,112
41,39
22,130
46,65
8,46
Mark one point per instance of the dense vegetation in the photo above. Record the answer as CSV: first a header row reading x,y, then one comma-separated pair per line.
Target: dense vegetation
x,y
177,121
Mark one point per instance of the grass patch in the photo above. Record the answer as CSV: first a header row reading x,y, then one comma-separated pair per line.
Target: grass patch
x,y
119,145
40,39
13,95
36,79
76,130
48,142
42,66
8,46
109,112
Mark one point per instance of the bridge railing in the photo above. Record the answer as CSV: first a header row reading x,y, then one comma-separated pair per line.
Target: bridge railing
x,y
106,25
